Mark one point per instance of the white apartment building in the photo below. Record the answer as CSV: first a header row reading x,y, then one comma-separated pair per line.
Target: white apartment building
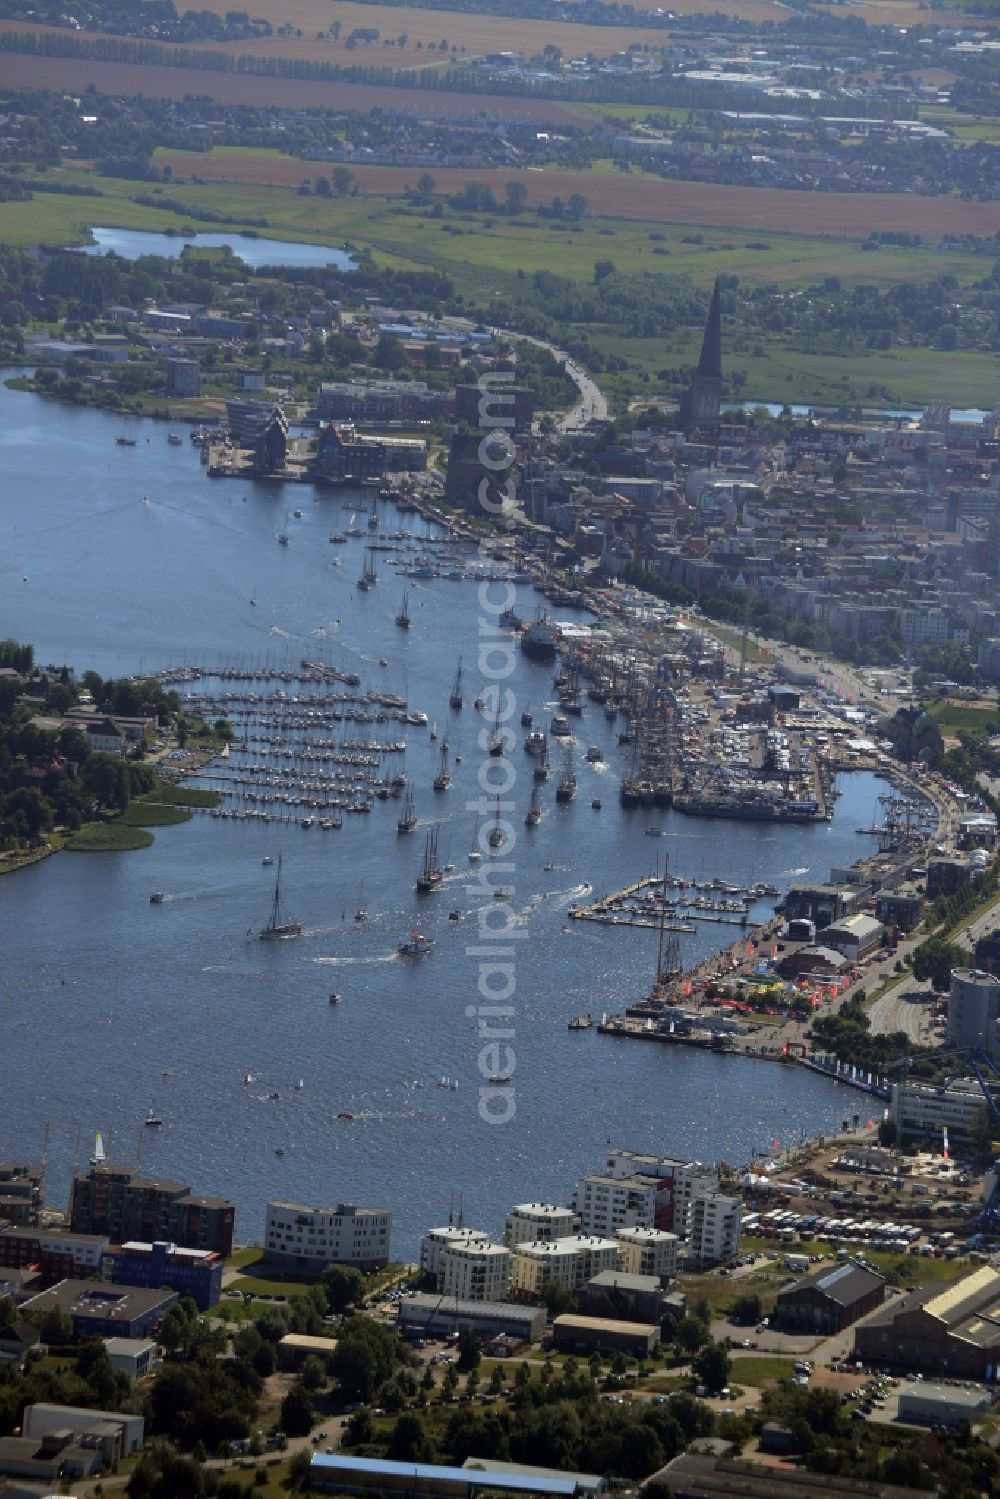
x,y
713,1228
309,1238
538,1222
607,1203
648,1251
436,1240
924,626
677,1182
569,1262
478,1270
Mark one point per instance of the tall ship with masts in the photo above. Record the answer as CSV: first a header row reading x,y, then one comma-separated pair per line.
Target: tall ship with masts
x,y
403,617
443,778
566,785
277,930
455,698
533,816
408,818
369,575
431,876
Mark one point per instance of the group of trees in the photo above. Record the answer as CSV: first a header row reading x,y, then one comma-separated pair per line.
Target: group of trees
x,y
83,1377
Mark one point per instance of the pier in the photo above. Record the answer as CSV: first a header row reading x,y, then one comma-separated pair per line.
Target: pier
x,y
693,900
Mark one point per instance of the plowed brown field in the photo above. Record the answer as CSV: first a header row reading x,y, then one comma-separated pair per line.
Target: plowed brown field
x,y
18,70
639,197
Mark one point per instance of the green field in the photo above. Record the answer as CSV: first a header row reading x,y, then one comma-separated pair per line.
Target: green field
x,y
184,796
760,1371
951,717
146,813
485,254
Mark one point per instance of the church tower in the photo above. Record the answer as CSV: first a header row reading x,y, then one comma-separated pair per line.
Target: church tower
x,y
702,401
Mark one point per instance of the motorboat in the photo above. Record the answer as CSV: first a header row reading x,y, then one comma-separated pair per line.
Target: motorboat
x,y
152,1119
416,945
157,898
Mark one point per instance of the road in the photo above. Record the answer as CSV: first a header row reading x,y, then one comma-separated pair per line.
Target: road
x,y
592,405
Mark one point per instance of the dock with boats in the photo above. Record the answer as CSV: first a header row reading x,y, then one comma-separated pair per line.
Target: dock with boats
x,y
675,903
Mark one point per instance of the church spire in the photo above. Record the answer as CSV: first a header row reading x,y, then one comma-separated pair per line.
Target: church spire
x,y
710,359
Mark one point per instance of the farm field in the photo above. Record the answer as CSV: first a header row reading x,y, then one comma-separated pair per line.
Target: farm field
x,y
311,16
471,34
636,195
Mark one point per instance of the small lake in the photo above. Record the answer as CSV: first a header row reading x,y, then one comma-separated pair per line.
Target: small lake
x,y
253,250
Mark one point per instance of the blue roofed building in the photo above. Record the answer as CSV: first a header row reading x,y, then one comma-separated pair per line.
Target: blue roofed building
x,y
191,1272
345,1474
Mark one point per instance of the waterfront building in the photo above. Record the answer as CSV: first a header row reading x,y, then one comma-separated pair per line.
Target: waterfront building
x,y
676,1180
712,1228
118,1202
183,378
921,1111
341,454
854,936
99,1309
648,1251
570,1262
497,404
481,475
826,1303
538,1222
22,1188
374,402
439,1317
260,428
309,1238
436,1240
191,1272
607,1203
57,1254
974,1010
953,1333
477,1270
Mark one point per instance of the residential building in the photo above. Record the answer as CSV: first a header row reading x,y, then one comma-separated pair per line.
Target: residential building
x,y
712,1228
830,1301
676,1181
105,738
537,1222
260,428
605,1335
569,1262
118,1202
385,402
954,1333
57,1254
196,1273
436,1240
497,404
101,1310
648,1251
438,1316
921,1111
482,475
974,1010
183,378
308,1238
477,1270
21,1191
607,1203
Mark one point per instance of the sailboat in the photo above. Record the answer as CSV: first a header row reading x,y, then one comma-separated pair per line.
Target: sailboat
x,y
99,1157
431,877
475,853
276,929
455,700
541,770
495,837
566,786
533,816
403,617
283,533
443,778
408,817
361,914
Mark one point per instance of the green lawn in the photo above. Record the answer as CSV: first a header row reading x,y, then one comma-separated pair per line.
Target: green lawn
x,y
143,813
951,717
760,1371
271,1285
184,796
108,838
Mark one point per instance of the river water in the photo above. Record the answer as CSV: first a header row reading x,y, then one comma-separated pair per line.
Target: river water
x,y
123,559
253,249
